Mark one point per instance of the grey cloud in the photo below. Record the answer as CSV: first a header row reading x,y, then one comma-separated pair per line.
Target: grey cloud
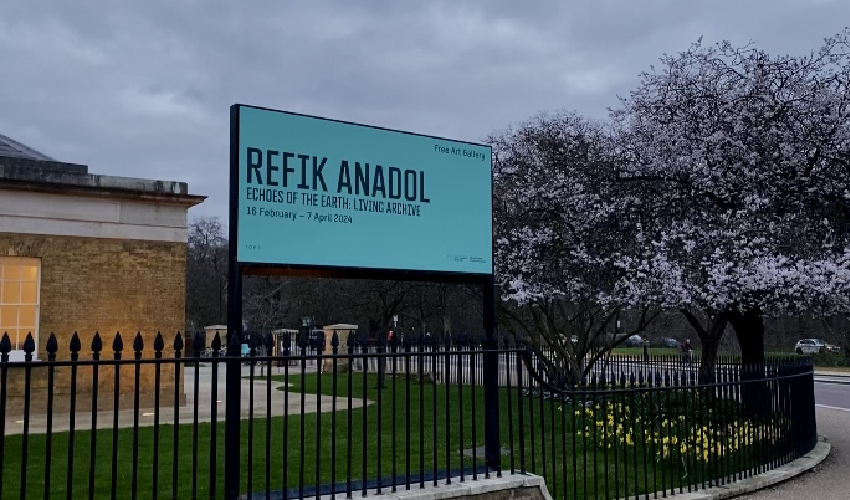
x,y
143,88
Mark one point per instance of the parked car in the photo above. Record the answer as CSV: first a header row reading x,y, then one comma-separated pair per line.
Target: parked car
x,y
814,346
669,342
634,341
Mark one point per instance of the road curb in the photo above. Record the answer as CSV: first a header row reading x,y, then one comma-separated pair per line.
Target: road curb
x,y
833,382
827,373
770,478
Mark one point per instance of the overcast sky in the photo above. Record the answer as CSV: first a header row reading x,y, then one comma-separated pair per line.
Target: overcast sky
x,y
142,88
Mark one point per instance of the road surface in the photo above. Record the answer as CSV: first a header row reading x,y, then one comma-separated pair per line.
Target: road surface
x,y
829,480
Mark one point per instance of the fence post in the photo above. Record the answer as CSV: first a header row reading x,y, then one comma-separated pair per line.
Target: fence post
x,y
492,444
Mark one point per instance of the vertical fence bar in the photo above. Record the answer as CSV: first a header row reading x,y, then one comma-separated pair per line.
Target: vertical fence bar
x,y
520,412
252,352
691,411
448,387
365,440
285,421
269,344
319,369
138,345
461,372
158,346
474,397
604,405
594,427
543,427
420,365
626,427
96,346
52,347
394,351
302,345
216,346
378,425
199,343
175,461
434,370
334,391
349,452
407,450
29,348
508,347
585,434
562,400
76,347
5,348
615,411
117,347
655,404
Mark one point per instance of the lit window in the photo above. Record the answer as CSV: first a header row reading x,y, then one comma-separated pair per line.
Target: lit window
x,y
19,301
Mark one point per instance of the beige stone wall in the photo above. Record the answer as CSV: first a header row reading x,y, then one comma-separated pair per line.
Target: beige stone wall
x,y
93,285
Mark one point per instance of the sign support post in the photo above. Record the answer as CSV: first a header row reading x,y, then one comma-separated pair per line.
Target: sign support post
x,y
233,382
492,444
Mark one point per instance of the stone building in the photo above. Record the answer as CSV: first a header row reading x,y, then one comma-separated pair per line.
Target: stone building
x,y
87,253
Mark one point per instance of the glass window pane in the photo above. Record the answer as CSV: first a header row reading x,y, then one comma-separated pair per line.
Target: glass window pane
x,y
8,318
11,270
29,293
29,272
10,292
17,343
26,317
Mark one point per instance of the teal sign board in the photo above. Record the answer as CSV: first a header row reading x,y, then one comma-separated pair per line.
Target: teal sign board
x,y
319,192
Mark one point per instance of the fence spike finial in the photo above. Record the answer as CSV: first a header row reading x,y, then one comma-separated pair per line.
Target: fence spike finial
x,y
96,344
138,344
29,346
158,343
178,343
76,346
5,345
216,344
117,343
52,345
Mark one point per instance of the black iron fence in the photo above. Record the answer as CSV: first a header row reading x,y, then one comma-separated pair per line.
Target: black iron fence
x,y
368,418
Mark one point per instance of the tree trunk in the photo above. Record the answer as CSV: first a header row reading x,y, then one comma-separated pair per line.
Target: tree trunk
x,y
749,329
708,358
710,338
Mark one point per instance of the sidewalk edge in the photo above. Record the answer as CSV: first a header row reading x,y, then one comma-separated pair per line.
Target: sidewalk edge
x,y
770,478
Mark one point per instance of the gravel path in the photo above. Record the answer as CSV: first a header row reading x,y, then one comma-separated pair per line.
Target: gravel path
x,y
828,481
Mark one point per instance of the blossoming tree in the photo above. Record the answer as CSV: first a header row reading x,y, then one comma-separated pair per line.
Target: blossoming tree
x,y
751,153
559,226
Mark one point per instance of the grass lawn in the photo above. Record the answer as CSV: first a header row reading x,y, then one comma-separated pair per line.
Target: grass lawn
x,y
443,421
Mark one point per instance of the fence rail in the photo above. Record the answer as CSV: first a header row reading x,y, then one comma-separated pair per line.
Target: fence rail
x,y
369,418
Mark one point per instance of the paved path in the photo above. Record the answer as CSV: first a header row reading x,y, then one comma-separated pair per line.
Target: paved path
x,y
831,479
206,408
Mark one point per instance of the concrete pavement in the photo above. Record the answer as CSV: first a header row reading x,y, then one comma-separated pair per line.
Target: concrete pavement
x,y
281,404
827,481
